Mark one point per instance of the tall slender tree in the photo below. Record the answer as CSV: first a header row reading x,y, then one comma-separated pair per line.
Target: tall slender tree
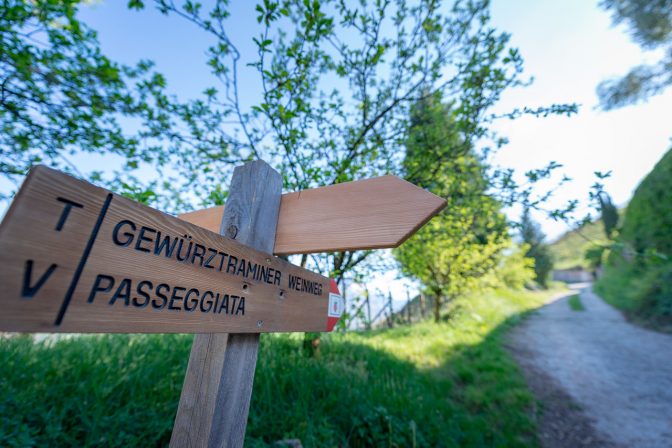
x,y
537,249
609,214
451,253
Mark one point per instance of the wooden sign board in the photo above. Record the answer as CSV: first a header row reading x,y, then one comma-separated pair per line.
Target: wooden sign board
x,y
77,258
365,214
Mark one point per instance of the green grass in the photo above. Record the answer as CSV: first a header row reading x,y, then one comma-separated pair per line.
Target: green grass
x,y
575,303
637,277
643,293
448,384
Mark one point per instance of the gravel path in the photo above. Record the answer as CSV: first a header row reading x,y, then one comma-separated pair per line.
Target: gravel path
x,y
619,375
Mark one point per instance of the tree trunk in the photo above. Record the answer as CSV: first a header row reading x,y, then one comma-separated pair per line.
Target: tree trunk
x,y
422,305
408,307
437,305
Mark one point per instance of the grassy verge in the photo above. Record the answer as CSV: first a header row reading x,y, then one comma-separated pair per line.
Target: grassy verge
x,y
643,293
448,384
575,303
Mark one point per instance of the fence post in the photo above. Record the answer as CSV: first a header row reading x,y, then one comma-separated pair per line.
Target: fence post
x,y
389,306
368,308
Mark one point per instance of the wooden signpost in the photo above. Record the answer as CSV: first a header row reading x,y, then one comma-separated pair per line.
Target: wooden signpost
x,y
366,214
77,258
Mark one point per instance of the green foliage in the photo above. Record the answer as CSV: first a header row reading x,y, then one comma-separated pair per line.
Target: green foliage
x,y
575,303
650,26
59,93
90,391
609,214
594,256
453,252
424,385
643,292
514,270
337,80
638,275
569,250
331,109
538,250
580,247
647,224
61,98
335,109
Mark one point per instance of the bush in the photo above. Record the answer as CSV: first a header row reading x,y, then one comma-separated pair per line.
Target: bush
x,y
642,289
638,274
515,270
648,220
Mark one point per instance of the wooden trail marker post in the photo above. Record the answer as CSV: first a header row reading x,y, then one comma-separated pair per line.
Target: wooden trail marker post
x,y
77,258
373,213
218,385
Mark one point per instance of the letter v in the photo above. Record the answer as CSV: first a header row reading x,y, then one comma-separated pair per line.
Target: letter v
x,y
28,292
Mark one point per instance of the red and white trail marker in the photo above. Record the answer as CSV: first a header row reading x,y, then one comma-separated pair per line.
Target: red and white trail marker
x,y
336,305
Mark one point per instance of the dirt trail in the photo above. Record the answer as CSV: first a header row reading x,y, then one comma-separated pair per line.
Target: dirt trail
x,y
619,375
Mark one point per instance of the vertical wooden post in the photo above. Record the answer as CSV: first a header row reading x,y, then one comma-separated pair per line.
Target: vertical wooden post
x,y
217,387
389,305
343,290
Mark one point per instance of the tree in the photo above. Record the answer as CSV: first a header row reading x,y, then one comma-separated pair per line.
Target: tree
x,y
647,224
58,93
650,26
335,82
60,97
456,249
609,214
638,269
514,269
538,250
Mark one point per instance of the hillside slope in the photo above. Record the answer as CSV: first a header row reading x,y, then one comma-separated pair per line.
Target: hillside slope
x,y
568,251
638,274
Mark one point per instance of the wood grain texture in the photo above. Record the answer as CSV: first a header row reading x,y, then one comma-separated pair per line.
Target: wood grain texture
x,y
251,217
235,391
367,214
198,398
70,249
208,218
216,395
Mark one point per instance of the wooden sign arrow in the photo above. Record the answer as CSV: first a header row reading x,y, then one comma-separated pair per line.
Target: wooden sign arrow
x,y
367,214
77,258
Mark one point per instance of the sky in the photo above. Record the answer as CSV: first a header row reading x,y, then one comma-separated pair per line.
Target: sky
x,y
568,46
